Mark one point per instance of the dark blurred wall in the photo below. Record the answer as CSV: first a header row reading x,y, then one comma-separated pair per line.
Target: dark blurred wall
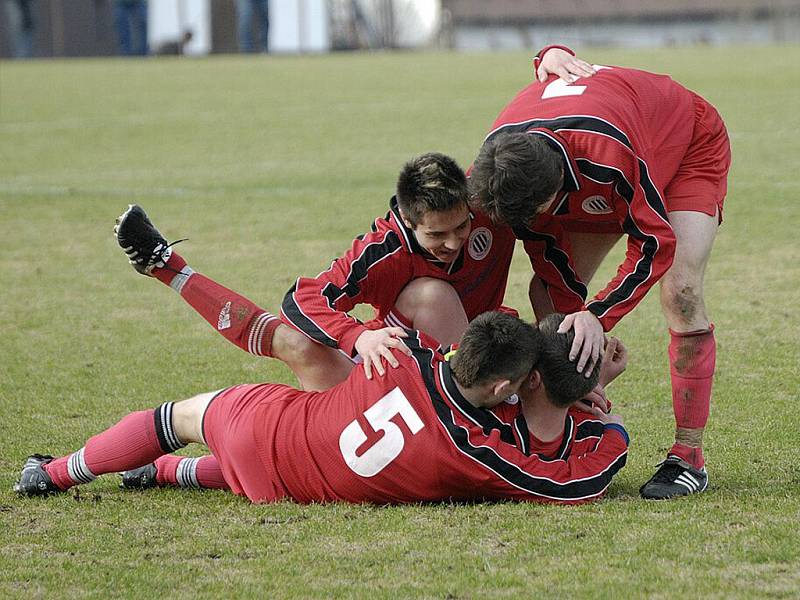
x,y
86,28
66,28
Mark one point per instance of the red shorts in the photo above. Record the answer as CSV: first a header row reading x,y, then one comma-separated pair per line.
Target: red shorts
x,y
229,428
701,182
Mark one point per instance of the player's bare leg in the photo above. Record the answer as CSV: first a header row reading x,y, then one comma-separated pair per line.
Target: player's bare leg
x,y
136,440
433,306
692,352
587,250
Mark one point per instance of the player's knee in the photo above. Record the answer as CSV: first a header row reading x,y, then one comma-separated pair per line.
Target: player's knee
x,y
429,294
682,299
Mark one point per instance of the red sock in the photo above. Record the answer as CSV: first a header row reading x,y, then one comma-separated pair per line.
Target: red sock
x,y
180,471
234,316
136,440
175,266
692,359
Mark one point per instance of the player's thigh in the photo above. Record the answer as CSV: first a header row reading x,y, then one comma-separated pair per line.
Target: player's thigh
x,y
187,417
588,250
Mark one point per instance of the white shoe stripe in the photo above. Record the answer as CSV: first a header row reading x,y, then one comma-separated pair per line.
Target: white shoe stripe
x,y
691,491
688,481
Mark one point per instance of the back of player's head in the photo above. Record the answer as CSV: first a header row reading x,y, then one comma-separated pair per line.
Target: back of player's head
x,y
429,182
495,346
513,176
562,381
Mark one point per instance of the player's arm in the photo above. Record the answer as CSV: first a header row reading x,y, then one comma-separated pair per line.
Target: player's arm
x,y
640,209
581,477
641,212
548,250
561,61
373,271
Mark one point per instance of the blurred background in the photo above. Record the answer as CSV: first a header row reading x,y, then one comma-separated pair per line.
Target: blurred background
x,y
69,28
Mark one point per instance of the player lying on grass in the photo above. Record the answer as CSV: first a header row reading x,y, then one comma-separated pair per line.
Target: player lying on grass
x,y
429,232
574,167
422,432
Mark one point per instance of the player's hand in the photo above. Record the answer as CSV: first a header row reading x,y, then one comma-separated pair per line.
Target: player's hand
x,y
375,344
597,397
615,360
587,347
605,417
560,62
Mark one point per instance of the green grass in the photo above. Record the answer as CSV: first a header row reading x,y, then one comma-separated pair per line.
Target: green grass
x,y
270,166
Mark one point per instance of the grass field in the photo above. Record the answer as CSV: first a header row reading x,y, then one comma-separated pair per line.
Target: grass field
x,y
270,166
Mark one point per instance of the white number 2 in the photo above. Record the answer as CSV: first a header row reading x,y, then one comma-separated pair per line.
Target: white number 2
x,y
375,458
558,87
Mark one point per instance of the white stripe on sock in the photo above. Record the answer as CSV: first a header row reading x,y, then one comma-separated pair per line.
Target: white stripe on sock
x,y
181,278
77,468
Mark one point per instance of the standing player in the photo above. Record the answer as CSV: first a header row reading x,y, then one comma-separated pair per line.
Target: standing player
x,y
572,167
420,433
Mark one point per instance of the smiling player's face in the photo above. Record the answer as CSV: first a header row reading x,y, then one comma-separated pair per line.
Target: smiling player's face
x,y
442,233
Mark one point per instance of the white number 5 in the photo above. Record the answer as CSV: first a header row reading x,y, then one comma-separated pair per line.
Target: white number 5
x,y
375,458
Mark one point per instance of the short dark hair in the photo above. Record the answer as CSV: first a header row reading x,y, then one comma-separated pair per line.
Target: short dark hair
x,y
495,346
563,383
432,181
513,175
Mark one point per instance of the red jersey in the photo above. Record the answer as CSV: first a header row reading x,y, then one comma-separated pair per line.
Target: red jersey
x,y
411,436
622,134
381,263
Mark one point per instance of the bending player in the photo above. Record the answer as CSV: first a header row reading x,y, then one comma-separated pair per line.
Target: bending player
x,y
572,168
420,433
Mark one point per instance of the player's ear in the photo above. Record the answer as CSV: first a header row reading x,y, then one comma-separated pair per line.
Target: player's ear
x,y
534,380
500,387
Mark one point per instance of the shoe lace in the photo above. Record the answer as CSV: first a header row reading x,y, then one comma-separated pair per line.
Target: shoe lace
x,y
668,471
157,255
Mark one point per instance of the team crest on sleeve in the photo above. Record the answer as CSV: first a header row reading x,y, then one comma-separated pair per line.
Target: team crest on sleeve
x,y
480,242
596,205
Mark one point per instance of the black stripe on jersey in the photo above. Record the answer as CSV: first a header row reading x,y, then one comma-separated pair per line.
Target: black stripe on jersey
x,y
572,122
644,267
651,192
509,472
485,419
566,440
571,183
359,268
292,311
523,433
556,256
589,429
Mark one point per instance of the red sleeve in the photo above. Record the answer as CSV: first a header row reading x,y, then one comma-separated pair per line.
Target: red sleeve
x,y
639,206
549,252
581,477
373,271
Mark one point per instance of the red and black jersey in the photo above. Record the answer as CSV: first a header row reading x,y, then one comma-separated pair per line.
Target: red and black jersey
x,y
381,263
622,134
411,436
